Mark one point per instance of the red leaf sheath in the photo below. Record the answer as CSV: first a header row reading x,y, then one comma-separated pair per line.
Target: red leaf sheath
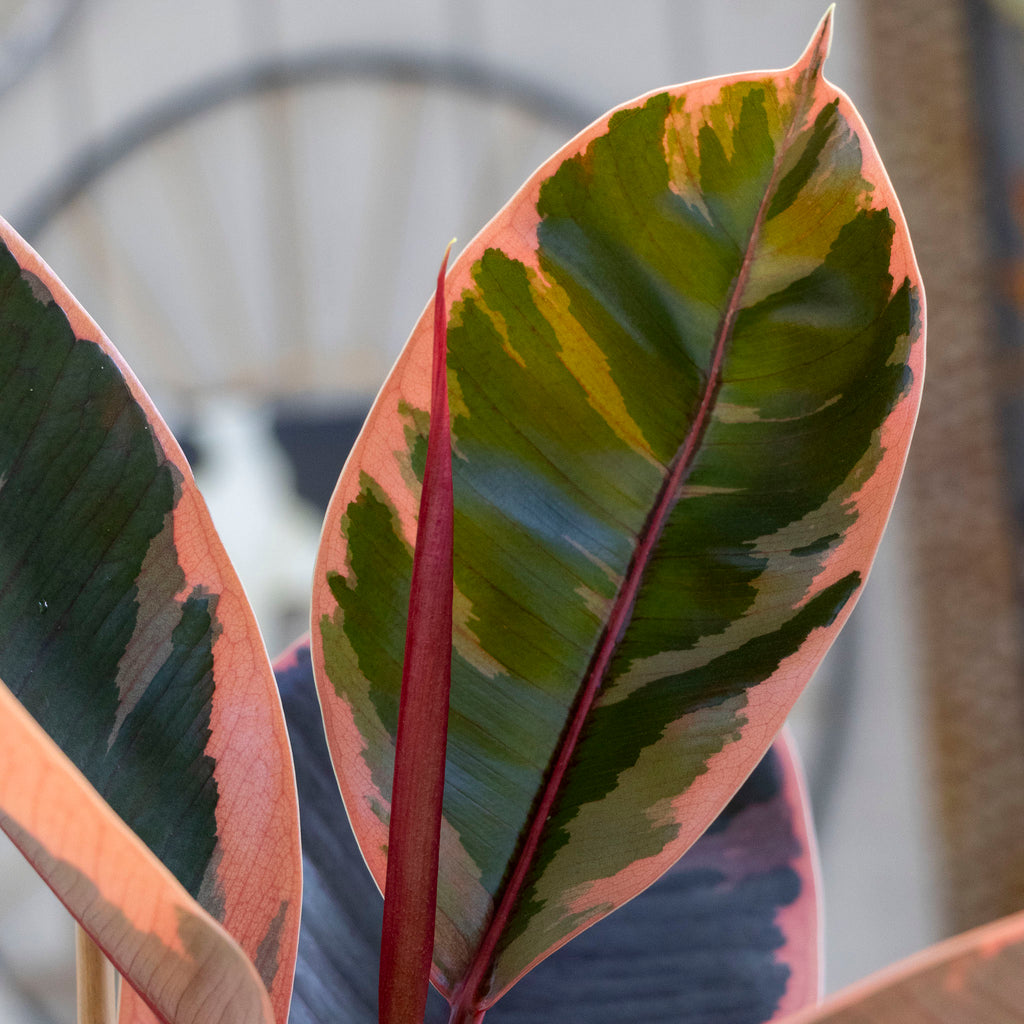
x,y
410,896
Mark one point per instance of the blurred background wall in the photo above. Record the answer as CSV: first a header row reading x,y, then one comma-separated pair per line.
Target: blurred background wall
x,y
251,197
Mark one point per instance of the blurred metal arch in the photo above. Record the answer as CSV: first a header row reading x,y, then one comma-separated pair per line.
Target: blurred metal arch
x,y
393,66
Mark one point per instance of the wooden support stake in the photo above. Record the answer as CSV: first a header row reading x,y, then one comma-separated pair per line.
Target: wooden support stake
x,y
97,990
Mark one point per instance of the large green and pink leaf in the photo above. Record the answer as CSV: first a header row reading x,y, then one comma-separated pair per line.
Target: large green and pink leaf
x,y
126,634
684,365
729,933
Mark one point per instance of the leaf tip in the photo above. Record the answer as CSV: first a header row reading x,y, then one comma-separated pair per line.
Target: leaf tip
x,y
441,331
814,57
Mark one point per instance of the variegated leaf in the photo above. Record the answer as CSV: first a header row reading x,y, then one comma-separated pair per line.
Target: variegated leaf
x,y
684,367
126,634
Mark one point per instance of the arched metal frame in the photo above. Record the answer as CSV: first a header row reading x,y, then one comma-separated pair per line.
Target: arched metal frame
x,y
35,28
447,72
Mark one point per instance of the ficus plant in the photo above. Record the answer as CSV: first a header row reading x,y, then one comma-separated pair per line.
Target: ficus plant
x,y
608,512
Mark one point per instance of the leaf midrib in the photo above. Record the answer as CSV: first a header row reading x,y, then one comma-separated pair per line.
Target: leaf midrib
x,y
464,1003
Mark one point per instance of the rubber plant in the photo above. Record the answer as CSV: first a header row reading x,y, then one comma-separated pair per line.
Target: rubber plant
x,y
672,398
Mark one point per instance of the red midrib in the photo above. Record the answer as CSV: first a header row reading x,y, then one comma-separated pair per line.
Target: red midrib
x,y
466,1007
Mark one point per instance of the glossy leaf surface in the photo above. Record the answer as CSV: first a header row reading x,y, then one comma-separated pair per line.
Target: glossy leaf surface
x,y
974,978
187,968
729,933
126,634
684,366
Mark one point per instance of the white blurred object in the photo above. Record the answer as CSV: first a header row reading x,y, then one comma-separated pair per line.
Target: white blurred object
x,y
270,535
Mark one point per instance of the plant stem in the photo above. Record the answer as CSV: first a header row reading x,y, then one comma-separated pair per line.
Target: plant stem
x,y
466,1015
97,995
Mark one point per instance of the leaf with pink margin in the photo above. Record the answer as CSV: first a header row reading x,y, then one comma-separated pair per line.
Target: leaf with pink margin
x,y
685,363
127,635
